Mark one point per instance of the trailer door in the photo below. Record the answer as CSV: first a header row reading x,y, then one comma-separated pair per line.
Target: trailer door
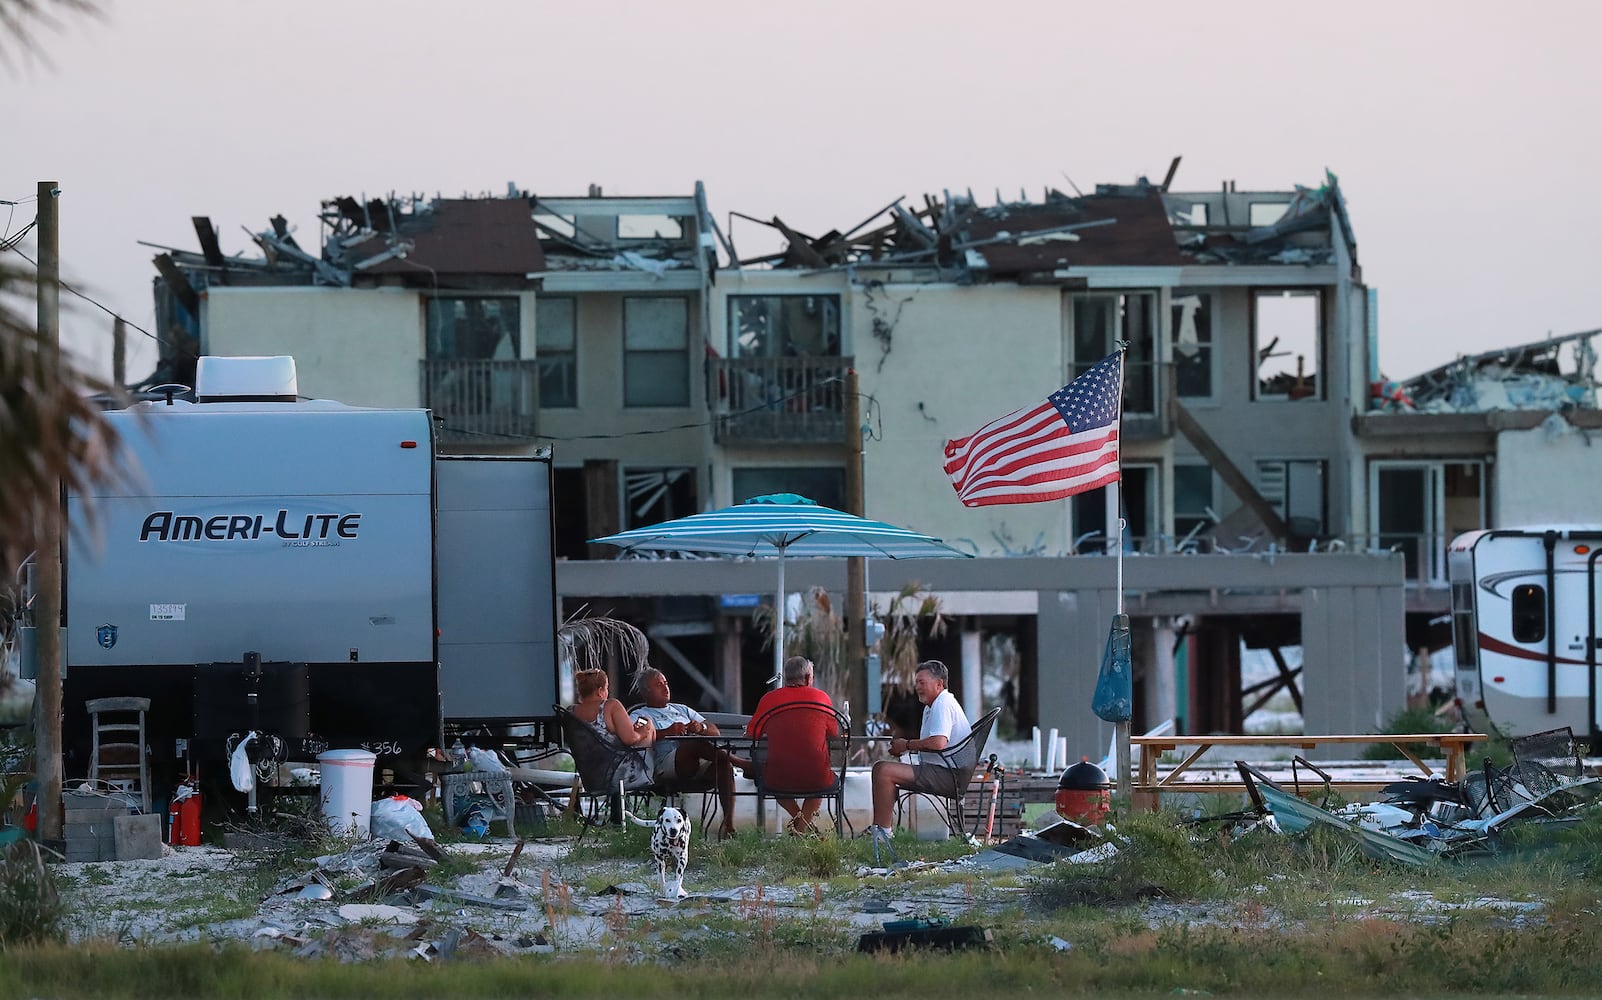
x,y
496,587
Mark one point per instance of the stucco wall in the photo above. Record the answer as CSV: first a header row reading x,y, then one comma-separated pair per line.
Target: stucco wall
x,y
1552,474
359,346
958,358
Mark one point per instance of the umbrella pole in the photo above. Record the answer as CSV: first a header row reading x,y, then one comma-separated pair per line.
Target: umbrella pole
x,y
778,628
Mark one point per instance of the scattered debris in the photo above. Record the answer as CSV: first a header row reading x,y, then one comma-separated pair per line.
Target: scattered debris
x,y
1420,821
1524,377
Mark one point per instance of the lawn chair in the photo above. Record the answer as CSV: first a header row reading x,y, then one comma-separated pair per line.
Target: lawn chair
x,y
602,762
945,784
791,732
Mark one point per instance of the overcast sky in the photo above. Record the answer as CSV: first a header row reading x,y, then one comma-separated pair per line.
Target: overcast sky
x,y
1465,135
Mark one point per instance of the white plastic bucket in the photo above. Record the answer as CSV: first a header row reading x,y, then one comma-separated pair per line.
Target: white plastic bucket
x,y
347,792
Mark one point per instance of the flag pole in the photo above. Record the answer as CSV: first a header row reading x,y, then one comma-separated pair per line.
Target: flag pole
x,y
1121,729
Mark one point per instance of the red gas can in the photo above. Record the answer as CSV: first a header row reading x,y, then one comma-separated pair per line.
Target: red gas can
x,y
183,817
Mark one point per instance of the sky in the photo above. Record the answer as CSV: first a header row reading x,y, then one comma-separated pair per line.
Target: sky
x,y
1464,134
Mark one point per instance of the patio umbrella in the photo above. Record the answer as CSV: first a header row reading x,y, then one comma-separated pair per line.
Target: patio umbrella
x,y
782,524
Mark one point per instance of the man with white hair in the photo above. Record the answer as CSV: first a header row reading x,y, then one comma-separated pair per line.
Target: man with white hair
x,y
943,725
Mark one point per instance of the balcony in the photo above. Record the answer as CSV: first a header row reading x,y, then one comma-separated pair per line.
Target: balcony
x,y
480,401
767,401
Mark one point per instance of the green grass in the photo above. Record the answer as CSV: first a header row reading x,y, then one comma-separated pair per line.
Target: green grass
x,y
798,958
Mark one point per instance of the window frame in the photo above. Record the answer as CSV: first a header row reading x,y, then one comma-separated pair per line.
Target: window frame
x,y
1207,349
544,356
1320,343
1140,369
776,348
681,353
431,300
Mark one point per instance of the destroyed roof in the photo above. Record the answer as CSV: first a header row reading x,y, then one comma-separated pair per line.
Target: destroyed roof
x,y
1131,225
451,236
1137,233
1522,377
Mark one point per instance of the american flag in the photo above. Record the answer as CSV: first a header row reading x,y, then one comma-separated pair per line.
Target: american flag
x,y
1066,445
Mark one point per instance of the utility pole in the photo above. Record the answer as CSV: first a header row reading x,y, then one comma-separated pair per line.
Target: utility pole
x,y
856,651
47,603
119,352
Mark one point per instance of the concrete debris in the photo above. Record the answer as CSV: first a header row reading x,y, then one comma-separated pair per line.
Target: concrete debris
x,y
1530,376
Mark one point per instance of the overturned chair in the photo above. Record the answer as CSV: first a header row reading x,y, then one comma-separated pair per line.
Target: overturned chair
x,y
945,783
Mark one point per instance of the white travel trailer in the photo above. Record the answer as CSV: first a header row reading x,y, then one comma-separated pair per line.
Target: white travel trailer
x,y
1524,627
308,570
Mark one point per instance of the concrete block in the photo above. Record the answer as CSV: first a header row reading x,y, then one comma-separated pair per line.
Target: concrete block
x,y
138,838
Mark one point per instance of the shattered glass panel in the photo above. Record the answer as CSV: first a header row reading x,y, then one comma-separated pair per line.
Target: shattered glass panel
x,y
1192,325
784,326
473,328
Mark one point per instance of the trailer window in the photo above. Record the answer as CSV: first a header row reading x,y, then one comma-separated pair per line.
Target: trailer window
x,y
1529,613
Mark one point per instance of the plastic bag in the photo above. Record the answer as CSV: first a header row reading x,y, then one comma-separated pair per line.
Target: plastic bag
x,y
483,760
1114,697
396,817
239,768
477,820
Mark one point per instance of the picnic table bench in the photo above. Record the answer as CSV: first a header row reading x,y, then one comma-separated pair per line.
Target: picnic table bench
x,y
1148,787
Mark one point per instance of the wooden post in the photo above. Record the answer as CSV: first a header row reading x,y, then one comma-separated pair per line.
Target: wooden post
x,y
856,650
47,603
119,352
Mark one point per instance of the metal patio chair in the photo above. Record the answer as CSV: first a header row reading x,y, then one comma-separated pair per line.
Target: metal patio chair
x,y
792,732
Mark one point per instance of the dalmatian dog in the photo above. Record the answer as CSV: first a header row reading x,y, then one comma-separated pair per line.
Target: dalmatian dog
x,y
670,848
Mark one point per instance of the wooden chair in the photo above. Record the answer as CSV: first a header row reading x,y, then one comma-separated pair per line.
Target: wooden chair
x,y
793,732
123,759
945,783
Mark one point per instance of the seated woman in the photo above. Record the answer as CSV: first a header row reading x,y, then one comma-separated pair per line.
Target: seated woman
x,y
597,709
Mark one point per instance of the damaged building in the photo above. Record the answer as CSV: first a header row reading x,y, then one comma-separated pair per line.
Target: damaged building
x,y
671,374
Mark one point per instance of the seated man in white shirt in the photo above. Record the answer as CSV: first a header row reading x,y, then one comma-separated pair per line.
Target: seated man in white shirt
x,y
943,725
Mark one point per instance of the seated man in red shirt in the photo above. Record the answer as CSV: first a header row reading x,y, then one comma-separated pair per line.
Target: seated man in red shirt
x,y
798,749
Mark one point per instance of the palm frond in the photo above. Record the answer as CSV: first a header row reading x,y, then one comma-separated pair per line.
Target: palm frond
x,y
903,624
594,643
51,430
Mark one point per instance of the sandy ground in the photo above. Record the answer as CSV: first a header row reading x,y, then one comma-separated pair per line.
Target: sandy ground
x,y
210,894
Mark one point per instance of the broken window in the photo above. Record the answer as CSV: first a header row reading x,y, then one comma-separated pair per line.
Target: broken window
x,y
556,347
1193,500
656,351
1265,213
555,225
655,495
1099,323
1137,498
781,326
825,485
473,328
1295,489
649,227
1193,345
1287,343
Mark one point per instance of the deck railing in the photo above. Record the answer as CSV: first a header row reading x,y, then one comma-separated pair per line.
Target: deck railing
x,y
482,400
778,400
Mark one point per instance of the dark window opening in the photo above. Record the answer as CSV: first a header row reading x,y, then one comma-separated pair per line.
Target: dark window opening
x,y
655,495
1529,613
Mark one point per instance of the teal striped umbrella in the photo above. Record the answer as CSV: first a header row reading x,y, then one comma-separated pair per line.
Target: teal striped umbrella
x,y
782,525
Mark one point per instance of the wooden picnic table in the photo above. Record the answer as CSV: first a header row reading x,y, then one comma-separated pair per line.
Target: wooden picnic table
x,y
1147,787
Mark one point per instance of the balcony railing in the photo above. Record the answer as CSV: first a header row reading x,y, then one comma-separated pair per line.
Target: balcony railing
x,y
482,401
779,400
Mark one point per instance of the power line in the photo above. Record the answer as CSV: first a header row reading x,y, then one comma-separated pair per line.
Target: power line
x,y
105,309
